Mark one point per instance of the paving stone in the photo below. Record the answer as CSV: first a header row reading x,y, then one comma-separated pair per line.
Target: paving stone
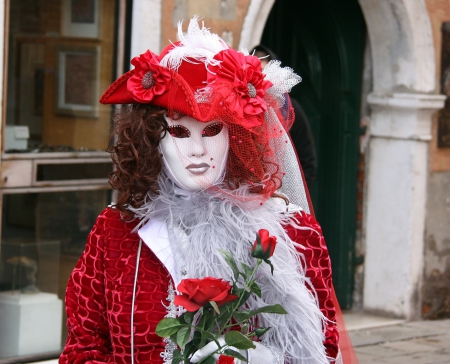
x,y
365,358
375,350
409,346
380,335
420,358
433,324
424,342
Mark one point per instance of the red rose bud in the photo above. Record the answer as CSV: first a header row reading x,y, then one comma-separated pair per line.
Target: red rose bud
x,y
223,359
196,293
264,246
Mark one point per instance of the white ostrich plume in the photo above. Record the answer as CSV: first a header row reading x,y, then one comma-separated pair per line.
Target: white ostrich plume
x,y
197,44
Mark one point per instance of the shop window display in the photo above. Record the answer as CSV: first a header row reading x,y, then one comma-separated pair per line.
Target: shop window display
x,y
43,236
54,162
55,49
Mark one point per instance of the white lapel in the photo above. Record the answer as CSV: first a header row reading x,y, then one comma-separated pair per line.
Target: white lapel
x,y
155,235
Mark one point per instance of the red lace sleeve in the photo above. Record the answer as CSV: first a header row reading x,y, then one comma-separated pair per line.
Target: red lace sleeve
x,y
88,331
318,270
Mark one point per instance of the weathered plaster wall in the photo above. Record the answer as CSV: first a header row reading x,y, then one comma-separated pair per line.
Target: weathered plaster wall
x,y
439,11
436,283
224,17
436,289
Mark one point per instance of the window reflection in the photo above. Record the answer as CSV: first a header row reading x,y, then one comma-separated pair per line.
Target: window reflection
x,y
54,75
43,236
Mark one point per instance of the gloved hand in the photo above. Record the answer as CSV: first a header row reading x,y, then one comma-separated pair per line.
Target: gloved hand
x,y
207,350
259,355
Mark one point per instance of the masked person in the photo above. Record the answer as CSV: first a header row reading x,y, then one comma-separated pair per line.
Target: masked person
x,y
201,153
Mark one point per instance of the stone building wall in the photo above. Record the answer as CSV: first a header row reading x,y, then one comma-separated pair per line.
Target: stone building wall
x,y
223,17
436,282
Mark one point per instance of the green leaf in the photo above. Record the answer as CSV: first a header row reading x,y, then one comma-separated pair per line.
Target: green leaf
x,y
210,322
214,305
167,327
278,309
177,358
173,338
209,335
209,360
255,289
245,296
231,262
270,264
261,331
183,336
239,341
236,290
186,318
235,354
242,315
226,309
247,270
192,346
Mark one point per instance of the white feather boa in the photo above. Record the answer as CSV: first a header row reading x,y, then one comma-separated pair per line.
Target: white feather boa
x,y
211,224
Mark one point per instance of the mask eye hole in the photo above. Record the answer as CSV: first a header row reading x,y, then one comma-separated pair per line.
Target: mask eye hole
x,y
179,131
212,130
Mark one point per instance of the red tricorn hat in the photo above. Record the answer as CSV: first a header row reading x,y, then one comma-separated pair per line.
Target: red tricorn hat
x,y
199,76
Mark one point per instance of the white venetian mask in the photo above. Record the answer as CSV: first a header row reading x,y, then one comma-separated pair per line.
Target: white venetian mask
x,y
195,153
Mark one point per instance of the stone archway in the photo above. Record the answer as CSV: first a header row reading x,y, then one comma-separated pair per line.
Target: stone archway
x,y
402,102
254,23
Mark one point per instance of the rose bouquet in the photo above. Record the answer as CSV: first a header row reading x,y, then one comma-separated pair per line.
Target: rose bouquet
x,y
215,310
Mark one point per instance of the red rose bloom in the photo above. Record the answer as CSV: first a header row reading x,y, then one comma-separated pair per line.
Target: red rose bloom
x,y
223,359
264,245
243,74
149,78
195,293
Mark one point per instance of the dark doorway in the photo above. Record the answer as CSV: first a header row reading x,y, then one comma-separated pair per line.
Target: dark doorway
x,y
323,41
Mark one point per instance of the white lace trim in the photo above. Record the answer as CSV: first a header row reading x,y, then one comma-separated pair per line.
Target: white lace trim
x,y
172,312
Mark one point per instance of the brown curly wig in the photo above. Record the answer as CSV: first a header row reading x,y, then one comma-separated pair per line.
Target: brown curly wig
x,y
138,129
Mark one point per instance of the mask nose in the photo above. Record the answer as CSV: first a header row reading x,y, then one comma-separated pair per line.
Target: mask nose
x,y
197,148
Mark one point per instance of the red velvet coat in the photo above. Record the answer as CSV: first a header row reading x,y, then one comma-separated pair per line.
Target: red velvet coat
x,y
99,293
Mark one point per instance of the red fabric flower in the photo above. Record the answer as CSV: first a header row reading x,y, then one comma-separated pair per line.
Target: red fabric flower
x,y
195,293
264,245
243,74
224,359
149,78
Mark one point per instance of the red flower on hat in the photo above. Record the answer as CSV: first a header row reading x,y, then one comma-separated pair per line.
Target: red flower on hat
x,y
149,78
243,73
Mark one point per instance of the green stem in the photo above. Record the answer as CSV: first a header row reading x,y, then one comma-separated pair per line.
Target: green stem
x,y
246,286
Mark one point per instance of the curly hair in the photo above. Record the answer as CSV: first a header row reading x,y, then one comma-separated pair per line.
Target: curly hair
x,y
138,129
